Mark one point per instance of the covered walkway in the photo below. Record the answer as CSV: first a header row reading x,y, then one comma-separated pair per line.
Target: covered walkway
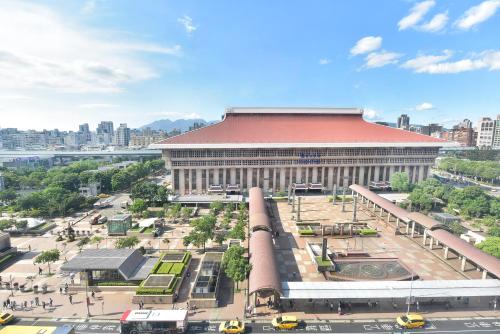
x,y
258,218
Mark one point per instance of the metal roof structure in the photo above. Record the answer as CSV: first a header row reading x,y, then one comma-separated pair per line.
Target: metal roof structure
x,y
258,218
473,254
206,199
154,315
131,264
264,274
296,127
390,289
424,220
381,202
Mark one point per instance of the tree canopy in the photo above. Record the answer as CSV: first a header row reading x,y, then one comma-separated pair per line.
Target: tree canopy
x,y
203,230
483,170
127,242
490,245
400,181
235,265
48,257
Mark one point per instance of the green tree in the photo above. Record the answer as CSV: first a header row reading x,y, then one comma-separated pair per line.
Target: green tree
x,y
238,232
470,201
216,207
127,242
400,181
48,257
420,200
203,230
494,231
8,196
235,265
5,224
138,206
96,239
186,213
456,228
490,245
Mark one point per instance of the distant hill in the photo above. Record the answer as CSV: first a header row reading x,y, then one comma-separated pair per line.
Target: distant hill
x,y
168,125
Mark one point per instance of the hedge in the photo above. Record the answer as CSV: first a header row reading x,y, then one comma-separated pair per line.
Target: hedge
x,y
159,291
164,268
325,263
177,269
6,258
115,283
368,231
308,231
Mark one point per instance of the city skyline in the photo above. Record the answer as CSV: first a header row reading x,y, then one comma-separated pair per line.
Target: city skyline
x,y
74,63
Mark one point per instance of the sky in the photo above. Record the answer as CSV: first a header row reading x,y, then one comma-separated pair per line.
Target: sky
x,y
63,63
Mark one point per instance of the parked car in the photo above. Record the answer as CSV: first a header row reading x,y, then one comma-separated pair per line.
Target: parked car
x,y
232,327
285,322
5,318
411,320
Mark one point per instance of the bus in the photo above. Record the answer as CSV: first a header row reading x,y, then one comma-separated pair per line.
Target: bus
x,y
15,329
154,321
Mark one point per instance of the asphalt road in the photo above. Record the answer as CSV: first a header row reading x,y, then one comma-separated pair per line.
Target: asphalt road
x,y
464,326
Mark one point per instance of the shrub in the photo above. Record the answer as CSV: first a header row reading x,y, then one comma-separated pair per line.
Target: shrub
x,y
368,231
115,283
177,269
308,231
164,268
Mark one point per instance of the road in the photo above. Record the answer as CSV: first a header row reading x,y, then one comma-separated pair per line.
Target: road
x,y
464,326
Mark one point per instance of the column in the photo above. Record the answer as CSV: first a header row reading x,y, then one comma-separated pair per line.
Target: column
x,y
391,171
181,182
298,173
224,176
282,179
216,176
190,179
376,175
412,229
172,178
199,181
485,274
241,178
431,245
361,179
258,177
232,175
425,237
275,186
345,180
323,169
388,217
338,176
446,250
250,182
330,178
421,173
207,180
383,173
464,262
397,224
266,178
369,175
315,175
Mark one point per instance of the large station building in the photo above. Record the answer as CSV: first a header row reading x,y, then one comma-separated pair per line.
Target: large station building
x,y
272,148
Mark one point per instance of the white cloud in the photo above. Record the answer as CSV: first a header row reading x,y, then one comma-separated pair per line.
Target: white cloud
x,y
424,106
15,97
89,7
438,64
187,22
97,106
41,50
478,14
382,58
437,23
417,12
367,44
371,114
173,115
324,61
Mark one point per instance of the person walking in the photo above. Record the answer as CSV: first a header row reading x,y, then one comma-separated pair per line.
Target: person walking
x,y
37,301
70,299
31,303
60,290
43,305
50,302
40,271
93,294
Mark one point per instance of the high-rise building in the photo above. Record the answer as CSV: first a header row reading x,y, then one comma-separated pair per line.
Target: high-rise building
x,y
431,128
466,123
84,131
122,135
496,134
404,122
463,136
105,127
485,132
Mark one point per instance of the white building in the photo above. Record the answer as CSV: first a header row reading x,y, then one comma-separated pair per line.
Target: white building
x,y
496,134
122,135
485,132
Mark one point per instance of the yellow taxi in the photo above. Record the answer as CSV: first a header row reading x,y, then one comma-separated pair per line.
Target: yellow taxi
x,y
285,322
411,320
233,326
5,318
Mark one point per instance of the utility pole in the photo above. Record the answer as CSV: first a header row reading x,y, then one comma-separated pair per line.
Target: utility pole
x,y
293,200
354,208
334,194
343,199
298,209
87,300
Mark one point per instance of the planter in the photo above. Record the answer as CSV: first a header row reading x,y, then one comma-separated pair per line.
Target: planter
x,y
44,288
35,288
22,287
16,286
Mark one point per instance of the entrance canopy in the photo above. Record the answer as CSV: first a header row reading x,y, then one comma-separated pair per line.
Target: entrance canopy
x,y
390,289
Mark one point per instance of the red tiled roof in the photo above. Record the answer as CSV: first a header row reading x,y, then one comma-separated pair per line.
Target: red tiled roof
x,y
255,128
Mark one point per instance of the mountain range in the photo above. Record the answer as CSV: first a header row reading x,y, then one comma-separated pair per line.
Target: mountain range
x,y
179,124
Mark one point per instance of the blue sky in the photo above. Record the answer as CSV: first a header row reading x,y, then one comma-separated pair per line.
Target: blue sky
x,y
63,63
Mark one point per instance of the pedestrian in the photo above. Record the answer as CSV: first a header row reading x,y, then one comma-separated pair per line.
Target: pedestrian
x,y
25,304
8,301
40,271
13,305
140,305
60,290
31,303
37,301
93,294
187,305
70,299
29,248
43,305
50,302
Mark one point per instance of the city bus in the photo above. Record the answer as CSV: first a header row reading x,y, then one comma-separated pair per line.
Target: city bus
x,y
15,329
154,321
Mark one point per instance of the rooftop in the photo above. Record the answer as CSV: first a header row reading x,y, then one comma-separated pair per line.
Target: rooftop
x,y
295,127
